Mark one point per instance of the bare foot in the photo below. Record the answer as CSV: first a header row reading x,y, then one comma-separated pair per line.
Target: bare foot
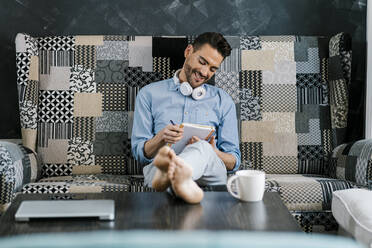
x,y
162,160
180,176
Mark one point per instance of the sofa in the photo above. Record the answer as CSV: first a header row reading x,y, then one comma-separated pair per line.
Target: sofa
x,y
77,97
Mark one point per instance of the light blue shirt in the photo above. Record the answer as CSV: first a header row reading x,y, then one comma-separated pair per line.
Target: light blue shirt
x,y
160,102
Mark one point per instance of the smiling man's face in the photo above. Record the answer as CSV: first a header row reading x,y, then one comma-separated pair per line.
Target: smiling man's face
x,y
200,65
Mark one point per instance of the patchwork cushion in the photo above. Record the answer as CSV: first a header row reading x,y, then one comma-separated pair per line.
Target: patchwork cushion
x,y
353,162
305,192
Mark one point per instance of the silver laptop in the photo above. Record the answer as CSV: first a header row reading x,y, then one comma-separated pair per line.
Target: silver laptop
x,y
103,209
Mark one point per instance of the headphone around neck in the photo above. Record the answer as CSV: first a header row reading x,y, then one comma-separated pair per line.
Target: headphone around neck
x,y
186,89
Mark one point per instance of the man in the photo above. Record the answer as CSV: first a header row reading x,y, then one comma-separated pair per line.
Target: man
x,y
200,163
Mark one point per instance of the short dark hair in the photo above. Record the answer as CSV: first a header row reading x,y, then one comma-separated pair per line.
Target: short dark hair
x,y
215,40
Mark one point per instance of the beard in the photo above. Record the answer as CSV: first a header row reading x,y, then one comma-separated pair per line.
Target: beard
x,y
188,73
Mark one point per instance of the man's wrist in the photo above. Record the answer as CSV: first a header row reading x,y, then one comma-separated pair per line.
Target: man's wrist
x,y
152,146
144,150
158,140
228,159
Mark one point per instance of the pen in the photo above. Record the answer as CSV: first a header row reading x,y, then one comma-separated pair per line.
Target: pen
x,y
181,126
169,144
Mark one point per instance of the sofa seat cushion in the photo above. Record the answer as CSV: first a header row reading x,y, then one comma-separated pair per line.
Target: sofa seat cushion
x,y
96,183
302,192
352,210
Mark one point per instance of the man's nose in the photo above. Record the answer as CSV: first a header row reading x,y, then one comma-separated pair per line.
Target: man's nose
x,y
204,71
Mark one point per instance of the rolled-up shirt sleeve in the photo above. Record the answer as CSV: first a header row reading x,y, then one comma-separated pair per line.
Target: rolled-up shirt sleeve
x,y
228,138
142,127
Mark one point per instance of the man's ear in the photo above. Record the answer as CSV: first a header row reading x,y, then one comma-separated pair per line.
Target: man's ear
x,y
189,50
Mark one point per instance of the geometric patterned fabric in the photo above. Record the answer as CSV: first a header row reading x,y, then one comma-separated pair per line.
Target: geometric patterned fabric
x,y
18,166
311,221
305,192
308,198
353,162
85,184
77,95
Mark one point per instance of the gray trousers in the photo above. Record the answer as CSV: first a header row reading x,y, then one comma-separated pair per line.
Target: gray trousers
x,y
208,168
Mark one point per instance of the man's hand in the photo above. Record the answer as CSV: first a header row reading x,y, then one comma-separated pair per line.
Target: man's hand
x,y
228,159
171,134
211,141
192,140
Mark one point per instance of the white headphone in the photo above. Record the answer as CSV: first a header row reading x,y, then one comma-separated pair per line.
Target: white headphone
x,y
186,89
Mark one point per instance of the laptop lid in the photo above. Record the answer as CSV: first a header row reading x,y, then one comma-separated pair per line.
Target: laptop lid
x,y
103,209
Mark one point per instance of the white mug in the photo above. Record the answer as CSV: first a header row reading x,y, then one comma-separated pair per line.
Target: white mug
x,y
250,185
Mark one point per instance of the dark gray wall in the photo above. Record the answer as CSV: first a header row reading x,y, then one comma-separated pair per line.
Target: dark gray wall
x,y
179,17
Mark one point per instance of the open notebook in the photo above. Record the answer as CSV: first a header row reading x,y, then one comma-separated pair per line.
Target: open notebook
x,y
190,130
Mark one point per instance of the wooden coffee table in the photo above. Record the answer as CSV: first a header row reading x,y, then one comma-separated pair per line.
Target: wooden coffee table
x,y
161,211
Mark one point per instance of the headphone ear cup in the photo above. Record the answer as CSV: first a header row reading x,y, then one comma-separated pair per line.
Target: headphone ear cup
x,y
186,89
198,93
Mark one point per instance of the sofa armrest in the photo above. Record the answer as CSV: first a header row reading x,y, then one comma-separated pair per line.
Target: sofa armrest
x,y
353,162
27,58
18,166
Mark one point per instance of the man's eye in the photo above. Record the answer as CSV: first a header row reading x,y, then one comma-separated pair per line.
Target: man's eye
x,y
201,62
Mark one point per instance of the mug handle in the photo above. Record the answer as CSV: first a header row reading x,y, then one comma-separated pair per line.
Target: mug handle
x,y
228,185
